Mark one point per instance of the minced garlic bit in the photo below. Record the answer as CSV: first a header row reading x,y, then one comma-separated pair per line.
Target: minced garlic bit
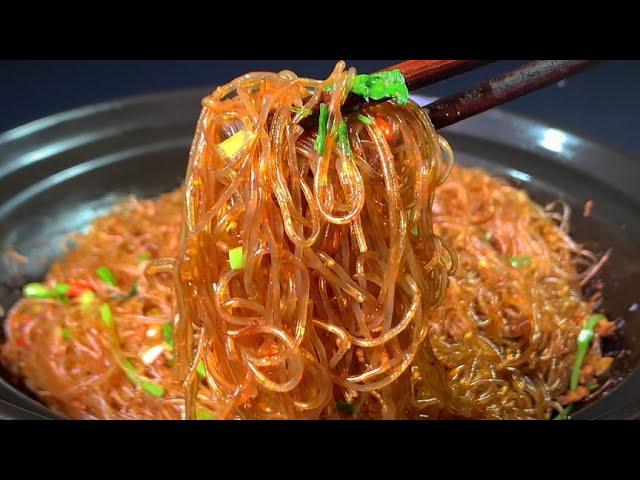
x,y
151,354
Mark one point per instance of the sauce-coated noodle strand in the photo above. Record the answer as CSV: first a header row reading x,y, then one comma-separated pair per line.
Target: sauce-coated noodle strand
x,y
305,323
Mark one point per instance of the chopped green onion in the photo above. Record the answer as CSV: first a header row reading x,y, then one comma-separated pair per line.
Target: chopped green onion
x,y
236,258
345,407
204,414
303,112
107,316
236,142
86,299
343,139
519,262
414,231
60,292
323,119
584,340
137,379
202,371
145,256
134,289
328,88
564,414
106,276
37,290
130,371
130,294
66,334
152,388
381,85
364,119
167,333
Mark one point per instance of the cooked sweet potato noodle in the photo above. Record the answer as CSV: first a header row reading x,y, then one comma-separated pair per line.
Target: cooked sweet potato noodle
x,y
361,275
335,290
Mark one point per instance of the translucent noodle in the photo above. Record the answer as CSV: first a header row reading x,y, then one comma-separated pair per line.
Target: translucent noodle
x,y
335,292
374,280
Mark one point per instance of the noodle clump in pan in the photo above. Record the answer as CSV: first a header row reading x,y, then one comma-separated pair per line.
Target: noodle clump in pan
x,y
315,270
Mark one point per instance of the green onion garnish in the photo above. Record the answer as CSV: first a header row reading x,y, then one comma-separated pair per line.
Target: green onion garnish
x,y
584,340
66,334
106,276
364,119
236,258
202,371
134,289
137,379
152,388
328,88
130,371
167,333
382,85
564,414
323,119
107,316
37,290
414,231
519,262
204,414
345,407
343,139
145,256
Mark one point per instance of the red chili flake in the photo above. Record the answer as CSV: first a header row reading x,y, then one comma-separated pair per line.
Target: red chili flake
x,y
76,288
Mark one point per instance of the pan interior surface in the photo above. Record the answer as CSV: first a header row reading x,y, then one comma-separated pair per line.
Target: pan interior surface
x,y
60,173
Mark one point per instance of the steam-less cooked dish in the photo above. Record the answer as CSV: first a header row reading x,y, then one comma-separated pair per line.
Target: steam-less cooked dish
x,y
317,266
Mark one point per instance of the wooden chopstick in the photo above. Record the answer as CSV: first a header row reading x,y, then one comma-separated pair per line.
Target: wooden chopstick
x,y
417,74
504,88
420,73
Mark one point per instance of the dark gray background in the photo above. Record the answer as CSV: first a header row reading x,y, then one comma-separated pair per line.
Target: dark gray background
x,y
601,103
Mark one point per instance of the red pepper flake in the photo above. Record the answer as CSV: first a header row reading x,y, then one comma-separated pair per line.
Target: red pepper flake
x,y
76,288
587,208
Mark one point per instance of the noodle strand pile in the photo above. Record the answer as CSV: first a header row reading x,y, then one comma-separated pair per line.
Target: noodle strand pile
x,y
334,295
339,270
